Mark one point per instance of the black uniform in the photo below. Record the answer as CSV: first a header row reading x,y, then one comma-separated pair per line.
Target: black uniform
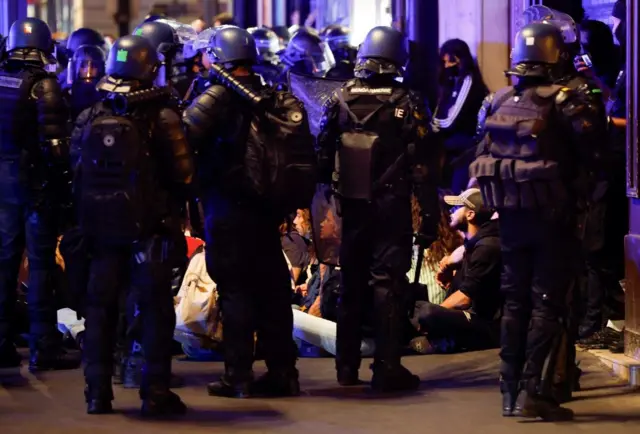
x,y
129,221
375,190
32,145
244,255
538,160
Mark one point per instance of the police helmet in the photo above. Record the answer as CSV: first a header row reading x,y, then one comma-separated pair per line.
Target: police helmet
x,y
308,49
336,35
384,51
133,58
539,43
153,17
161,35
87,64
30,33
231,44
85,36
266,39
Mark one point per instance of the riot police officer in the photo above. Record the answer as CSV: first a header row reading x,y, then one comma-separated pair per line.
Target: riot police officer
x,y
306,54
244,255
78,38
86,68
337,37
29,157
168,38
540,156
268,47
378,130
130,222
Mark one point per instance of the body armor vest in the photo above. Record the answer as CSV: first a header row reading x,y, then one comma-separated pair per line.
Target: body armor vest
x,y
524,152
373,139
18,113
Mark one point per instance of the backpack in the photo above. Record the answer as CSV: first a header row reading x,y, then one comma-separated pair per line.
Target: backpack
x,y
117,182
279,161
520,166
358,151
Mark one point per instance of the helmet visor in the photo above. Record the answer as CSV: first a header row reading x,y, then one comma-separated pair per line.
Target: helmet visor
x,y
322,60
184,32
544,14
268,46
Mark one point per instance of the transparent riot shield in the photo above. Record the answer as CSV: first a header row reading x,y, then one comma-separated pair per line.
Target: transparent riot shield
x,y
313,92
545,14
326,224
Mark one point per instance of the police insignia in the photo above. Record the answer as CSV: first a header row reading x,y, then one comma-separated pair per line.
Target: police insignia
x,y
422,131
370,91
28,29
122,56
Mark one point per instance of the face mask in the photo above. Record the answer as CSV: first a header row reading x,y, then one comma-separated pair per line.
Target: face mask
x,y
452,71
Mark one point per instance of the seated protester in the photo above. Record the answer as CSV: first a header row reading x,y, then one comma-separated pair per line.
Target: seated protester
x,y
470,314
296,247
448,240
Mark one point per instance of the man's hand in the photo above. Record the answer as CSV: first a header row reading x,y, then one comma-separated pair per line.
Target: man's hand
x,y
302,290
583,68
445,277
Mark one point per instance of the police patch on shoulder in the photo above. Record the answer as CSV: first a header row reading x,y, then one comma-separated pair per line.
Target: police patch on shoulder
x,y
10,82
371,90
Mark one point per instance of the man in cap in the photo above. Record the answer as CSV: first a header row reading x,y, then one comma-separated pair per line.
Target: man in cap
x,y
469,314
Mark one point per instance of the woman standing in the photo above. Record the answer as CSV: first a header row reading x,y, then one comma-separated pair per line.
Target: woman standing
x,y
461,92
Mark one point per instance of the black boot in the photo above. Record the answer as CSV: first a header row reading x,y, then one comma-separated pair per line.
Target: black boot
x,y
277,384
509,391
53,358
348,376
9,357
393,379
227,387
162,404
119,362
532,405
98,398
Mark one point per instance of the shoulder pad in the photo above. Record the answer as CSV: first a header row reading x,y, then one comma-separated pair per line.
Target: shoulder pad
x,y
500,93
549,91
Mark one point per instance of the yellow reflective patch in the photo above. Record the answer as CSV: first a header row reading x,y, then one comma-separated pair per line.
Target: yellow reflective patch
x,y
565,89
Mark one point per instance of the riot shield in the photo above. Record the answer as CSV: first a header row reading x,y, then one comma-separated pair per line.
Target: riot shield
x,y
326,224
313,92
545,14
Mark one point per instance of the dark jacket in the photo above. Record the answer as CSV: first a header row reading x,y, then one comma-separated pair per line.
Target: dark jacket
x,y
480,271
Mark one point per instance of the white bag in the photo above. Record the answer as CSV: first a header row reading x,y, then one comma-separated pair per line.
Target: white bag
x,y
196,307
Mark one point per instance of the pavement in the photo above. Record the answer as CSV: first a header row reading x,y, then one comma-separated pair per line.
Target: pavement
x,y
459,394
